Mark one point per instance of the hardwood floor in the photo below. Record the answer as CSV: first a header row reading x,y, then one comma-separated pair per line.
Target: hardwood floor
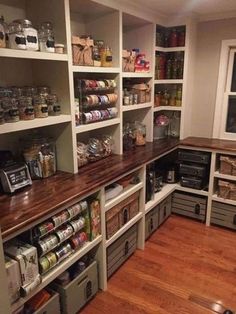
x,y
185,268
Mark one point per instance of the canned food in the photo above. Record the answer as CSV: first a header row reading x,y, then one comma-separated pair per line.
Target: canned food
x,y
52,258
44,264
65,233
74,210
63,251
83,205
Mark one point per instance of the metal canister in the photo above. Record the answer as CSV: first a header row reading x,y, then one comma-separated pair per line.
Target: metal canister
x,y
52,258
44,264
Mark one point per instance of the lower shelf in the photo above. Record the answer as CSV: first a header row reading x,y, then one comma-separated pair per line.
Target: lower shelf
x,y
189,190
54,273
160,196
124,229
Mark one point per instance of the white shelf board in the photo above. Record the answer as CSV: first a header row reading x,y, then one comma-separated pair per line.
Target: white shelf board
x,y
136,74
26,54
85,69
168,108
219,175
128,225
129,190
168,81
160,196
223,200
136,107
189,190
31,124
55,272
169,49
96,125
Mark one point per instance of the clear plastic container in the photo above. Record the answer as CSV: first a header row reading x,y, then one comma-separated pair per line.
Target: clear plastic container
x,y
40,156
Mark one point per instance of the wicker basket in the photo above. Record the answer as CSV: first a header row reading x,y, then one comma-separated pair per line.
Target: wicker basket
x,y
227,165
223,189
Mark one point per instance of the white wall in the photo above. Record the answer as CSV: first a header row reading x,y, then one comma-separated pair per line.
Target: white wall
x,y
209,37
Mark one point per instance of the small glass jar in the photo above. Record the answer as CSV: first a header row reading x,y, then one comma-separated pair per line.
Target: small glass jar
x,y
40,156
30,91
106,57
2,120
3,33
54,109
40,107
17,38
96,57
128,137
46,37
44,91
30,33
26,108
16,91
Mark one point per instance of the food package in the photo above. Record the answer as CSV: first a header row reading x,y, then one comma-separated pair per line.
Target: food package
x,y
13,278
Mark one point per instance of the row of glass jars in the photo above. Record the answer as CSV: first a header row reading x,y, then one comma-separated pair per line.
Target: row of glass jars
x,y
13,109
20,34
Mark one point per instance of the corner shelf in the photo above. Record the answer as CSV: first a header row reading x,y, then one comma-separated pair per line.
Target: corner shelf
x,y
136,74
169,49
25,54
136,107
122,230
223,200
129,190
91,69
46,279
31,124
219,175
167,108
189,190
160,196
180,81
96,125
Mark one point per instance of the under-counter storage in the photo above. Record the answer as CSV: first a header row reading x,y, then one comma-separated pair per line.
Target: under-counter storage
x,y
52,306
152,221
79,291
165,209
223,215
121,250
189,205
120,214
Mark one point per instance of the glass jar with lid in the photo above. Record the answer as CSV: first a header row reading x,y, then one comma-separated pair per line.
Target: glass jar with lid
x,y
2,120
30,33
54,109
16,91
44,91
40,156
140,133
16,35
29,91
11,112
46,37
40,107
3,33
106,57
26,108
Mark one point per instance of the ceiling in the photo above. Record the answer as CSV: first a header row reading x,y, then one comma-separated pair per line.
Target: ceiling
x,y
200,8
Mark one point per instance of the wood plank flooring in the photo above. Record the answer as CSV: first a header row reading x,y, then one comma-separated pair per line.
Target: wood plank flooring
x,y
186,268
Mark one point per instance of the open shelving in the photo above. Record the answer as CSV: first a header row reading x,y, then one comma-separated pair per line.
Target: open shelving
x,y
167,108
96,125
136,107
219,175
88,69
24,54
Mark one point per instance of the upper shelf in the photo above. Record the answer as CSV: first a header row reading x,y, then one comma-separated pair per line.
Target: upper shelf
x,y
136,107
167,108
96,125
168,81
31,124
85,69
25,54
136,74
170,49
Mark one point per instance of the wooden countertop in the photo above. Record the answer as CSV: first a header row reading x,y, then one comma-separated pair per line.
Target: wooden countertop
x,y
45,196
209,143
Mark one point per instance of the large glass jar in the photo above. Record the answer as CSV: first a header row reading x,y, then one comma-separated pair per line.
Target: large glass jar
x,y
40,107
2,120
11,112
46,38
54,109
29,91
16,35
128,137
3,33
40,156
175,125
30,33
26,108
140,134
44,91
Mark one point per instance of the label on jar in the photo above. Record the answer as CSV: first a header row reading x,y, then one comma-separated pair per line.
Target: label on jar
x,y
20,40
32,39
44,109
108,58
50,43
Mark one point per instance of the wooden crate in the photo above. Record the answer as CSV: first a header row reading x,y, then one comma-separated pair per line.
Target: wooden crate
x,y
152,221
223,215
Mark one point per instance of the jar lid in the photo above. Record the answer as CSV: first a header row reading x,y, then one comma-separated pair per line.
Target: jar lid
x,y
22,22
59,45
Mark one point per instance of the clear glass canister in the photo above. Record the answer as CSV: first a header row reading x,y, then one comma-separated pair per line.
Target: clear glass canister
x,y
140,133
40,156
30,33
3,33
106,57
54,109
26,108
46,37
30,91
40,107
11,112
16,91
2,120
16,35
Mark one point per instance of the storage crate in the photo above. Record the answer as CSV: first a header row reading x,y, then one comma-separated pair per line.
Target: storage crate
x,y
79,291
52,306
151,221
189,205
165,209
223,215
121,250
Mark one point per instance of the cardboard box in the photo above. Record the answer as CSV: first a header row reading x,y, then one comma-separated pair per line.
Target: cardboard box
x,y
26,255
13,278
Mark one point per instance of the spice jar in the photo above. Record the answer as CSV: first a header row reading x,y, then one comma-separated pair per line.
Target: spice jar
x,y
40,107
40,156
44,91
17,38
30,33
96,57
140,134
2,120
106,57
3,33
11,112
26,108
54,109
46,38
